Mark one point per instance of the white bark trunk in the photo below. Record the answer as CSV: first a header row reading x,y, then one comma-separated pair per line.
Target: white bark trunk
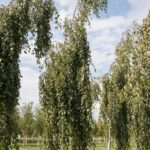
x,y
109,140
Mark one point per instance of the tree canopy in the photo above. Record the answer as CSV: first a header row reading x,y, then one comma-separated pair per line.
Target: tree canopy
x,y
65,85
125,90
18,20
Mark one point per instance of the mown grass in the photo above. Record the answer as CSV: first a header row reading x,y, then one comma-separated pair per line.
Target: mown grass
x,y
98,147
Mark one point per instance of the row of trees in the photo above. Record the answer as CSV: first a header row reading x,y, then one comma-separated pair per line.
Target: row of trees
x,y
28,122
126,89
31,121
65,86
25,19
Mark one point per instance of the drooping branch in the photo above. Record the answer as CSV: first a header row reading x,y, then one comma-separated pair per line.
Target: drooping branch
x,y
16,21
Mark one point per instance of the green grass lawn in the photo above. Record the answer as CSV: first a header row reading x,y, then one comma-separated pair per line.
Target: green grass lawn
x,y
30,148
98,147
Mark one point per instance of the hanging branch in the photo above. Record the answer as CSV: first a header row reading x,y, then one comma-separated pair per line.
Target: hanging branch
x,y
16,21
65,87
127,101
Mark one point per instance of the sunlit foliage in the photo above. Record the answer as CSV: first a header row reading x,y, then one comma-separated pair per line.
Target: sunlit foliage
x,y
125,92
65,85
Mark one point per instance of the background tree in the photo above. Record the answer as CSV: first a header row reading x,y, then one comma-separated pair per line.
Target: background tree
x,y
27,120
100,129
39,123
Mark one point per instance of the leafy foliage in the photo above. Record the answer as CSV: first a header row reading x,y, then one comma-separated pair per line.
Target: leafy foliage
x,y
27,120
31,122
66,92
100,129
125,92
140,83
39,123
16,21
65,86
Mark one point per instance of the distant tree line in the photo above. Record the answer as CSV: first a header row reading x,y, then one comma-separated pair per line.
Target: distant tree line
x,y
30,121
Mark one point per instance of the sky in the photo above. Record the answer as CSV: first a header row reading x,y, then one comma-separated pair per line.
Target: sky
x,y
103,34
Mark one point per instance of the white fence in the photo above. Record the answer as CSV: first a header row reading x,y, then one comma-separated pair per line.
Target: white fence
x,y
39,141
30,141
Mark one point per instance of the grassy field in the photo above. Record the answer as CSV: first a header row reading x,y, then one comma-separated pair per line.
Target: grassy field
x,y
98,147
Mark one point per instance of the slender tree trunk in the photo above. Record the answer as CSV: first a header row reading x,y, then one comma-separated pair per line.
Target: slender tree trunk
x,y
109,138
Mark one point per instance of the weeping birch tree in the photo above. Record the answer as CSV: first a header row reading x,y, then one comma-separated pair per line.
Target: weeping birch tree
x,y
19,20
65,89
125,92
140,84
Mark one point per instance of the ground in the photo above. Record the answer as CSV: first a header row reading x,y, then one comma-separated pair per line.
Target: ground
x,y
98,147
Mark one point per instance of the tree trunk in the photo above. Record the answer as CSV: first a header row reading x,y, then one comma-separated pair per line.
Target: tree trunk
x,y
109,140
